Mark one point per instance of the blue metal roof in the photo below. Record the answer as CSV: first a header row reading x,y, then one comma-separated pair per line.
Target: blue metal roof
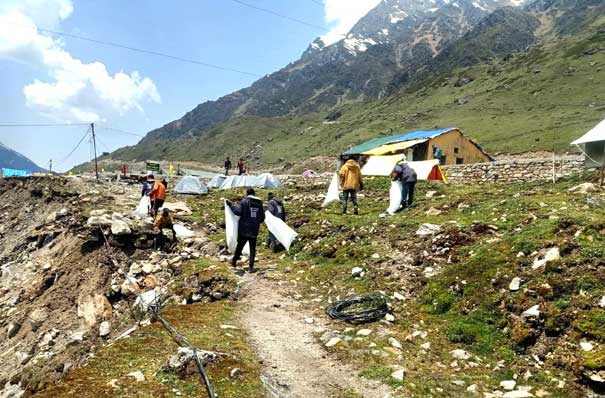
x,y
419,135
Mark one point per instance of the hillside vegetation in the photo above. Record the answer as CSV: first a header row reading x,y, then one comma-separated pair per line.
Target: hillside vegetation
x,y
538,100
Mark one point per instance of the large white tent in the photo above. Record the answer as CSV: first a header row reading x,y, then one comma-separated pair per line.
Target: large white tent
x,y
383,166
266,180
594,145
190,185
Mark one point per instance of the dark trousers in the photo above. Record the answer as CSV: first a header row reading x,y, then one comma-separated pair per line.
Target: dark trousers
x,y
274,244
155,206
241,242
407,193
226,172
352,195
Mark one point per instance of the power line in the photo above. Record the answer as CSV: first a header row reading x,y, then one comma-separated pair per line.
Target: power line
x,y
277,14
143,51
318,2
121,131
77,145
45,125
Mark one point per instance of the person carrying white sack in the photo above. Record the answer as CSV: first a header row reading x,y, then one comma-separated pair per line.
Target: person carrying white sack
x,y
408,178
251,215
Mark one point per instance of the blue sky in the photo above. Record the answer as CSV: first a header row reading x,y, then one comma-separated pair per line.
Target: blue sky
x,y
54,80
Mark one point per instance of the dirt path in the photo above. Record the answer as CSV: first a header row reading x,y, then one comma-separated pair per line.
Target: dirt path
x,y
294,363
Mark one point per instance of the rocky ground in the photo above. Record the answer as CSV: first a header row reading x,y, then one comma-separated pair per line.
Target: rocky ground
x,y
493,291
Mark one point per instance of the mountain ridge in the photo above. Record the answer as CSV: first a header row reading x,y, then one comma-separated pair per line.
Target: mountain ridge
x,y
500,34
11,159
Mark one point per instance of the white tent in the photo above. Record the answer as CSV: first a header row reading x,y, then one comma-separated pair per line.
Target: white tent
x,y
190,186
384,165
266,180
594,145
216,182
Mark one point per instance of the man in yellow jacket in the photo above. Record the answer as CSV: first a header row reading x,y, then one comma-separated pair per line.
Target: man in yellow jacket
x,y
351,183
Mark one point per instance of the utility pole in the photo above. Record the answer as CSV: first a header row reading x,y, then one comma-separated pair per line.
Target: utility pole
x,y
50,166
94,143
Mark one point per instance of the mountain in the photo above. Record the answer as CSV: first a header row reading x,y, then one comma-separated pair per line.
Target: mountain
x,y
13,160
404,50
396,35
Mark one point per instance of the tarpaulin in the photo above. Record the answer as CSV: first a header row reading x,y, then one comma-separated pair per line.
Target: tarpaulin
x,y
15,173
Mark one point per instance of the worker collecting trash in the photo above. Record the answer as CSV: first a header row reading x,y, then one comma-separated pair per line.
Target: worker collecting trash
x,y
251,215
276,207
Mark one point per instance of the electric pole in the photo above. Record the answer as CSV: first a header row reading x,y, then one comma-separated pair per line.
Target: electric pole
x,y
50,166
94,144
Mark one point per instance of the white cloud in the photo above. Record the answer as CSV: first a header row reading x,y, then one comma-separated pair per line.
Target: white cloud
x,y
342,15
78,91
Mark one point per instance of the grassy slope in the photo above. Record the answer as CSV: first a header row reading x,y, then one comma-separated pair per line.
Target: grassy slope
x,y
148,350
509,107
468,304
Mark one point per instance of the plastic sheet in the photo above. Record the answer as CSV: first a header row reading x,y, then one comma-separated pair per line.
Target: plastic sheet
x,y
142,209
395,197
182,232
333,192
231,221
282,232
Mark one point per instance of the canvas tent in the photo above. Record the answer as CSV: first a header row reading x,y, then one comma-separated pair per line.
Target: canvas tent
x,y
190,186
266,180
594,145
383,166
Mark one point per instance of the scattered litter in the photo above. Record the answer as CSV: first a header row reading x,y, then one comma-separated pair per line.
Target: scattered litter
x,y
546,256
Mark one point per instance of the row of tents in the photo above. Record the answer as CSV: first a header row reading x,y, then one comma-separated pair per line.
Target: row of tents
x,y
190,185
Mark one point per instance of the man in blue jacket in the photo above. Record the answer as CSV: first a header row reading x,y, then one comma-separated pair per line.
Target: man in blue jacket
x,y
251,215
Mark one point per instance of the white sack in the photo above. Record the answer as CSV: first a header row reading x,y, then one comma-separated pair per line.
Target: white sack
x,y
333,192
282,232
182,232
231,231
142,209
395,197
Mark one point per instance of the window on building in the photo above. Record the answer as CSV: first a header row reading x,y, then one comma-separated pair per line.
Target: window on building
x,y
459,160
442,160
455,150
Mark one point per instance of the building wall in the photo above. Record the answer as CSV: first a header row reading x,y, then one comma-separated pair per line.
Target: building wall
x,y
512,171
467,151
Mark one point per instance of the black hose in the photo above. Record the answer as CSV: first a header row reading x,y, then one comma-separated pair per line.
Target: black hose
x,y
376,310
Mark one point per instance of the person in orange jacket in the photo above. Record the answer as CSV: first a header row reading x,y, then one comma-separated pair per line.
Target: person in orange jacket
x,y
351,183
157,197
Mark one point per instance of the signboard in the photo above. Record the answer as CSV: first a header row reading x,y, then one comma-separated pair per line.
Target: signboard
x,y
153,166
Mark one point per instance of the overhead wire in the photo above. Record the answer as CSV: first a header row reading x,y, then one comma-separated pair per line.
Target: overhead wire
x,y
141,50
277,14
77,146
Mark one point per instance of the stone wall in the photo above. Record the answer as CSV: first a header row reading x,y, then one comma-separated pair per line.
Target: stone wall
x,y
513,170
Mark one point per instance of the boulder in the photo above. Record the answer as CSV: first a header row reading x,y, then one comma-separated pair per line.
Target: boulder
x,y
460,354
587,187
12,391
103,221
545,256
37,318
508,385
120,228
94,308
104,329
183,361
356,272
533,312
433,212
514,284
137,375
398,374
427,229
